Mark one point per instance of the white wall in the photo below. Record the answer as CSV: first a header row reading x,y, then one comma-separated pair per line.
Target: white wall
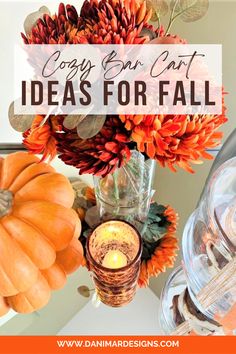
x,y
12,16
181,189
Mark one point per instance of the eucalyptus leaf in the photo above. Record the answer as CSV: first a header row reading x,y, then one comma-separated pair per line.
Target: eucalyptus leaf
x,y
159,8
84,291
32,18
72,121
19,122
190,10
90,126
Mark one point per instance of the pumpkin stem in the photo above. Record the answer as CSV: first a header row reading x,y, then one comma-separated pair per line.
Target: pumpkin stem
x,y
6,201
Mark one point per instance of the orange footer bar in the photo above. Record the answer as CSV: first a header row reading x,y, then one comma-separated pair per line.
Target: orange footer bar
x,y
109,344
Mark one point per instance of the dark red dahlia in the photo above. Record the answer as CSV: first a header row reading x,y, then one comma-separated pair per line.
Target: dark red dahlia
x,y
99,155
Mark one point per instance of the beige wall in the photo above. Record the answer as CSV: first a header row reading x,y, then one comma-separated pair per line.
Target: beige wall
x,y
181,189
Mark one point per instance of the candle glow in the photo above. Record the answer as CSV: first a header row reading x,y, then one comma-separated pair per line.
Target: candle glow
x,y
114,251
114,259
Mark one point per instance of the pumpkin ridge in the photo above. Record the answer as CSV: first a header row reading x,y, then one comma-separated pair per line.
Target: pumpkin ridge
x,y
67,221
49,275
27,222
14,188
6,171
27,259
8,298
55,183
44,239
4,307
34,293
71,257
8,279
45,201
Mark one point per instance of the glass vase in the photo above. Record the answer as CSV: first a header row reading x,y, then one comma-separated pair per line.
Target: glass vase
x,y
126,194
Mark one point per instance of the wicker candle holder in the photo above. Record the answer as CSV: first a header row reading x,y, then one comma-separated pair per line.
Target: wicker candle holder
x,y
114,251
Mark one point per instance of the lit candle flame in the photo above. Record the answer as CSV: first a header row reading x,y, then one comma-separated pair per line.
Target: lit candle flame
x,y
114,259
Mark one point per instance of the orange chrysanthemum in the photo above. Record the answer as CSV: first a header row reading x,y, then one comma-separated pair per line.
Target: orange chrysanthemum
x,y
99,22
61,28
164,253
175,140
39,138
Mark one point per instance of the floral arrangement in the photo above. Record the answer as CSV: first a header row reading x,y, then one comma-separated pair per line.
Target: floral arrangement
x,y
99,145
159,238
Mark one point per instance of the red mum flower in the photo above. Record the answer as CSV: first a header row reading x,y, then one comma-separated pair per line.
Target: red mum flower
x,y
99,155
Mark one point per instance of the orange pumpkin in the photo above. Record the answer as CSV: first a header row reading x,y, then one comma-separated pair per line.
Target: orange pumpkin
x,y
68,258
34,298
55,276
36,222
4,308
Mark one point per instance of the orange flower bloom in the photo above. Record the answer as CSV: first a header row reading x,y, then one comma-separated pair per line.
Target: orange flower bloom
x,y
175,140
164,254
99,22
40,140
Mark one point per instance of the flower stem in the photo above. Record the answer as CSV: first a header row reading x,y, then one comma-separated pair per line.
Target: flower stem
x,y
173,18
116,187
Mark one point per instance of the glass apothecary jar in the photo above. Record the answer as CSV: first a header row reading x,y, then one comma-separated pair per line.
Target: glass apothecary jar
x,y
178,310
209,246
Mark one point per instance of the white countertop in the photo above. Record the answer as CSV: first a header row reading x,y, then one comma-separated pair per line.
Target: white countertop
x,y
68,313
140,317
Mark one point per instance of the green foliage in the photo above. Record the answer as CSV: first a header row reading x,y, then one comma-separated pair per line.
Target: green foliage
x,y
155,227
